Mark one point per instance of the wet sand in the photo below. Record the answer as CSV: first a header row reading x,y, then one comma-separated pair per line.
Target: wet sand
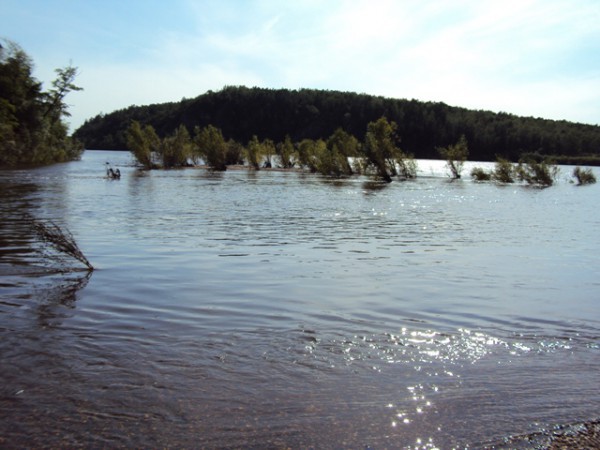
x,y
578,436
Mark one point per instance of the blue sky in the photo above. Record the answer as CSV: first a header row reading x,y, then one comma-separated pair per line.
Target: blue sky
x,y
536,58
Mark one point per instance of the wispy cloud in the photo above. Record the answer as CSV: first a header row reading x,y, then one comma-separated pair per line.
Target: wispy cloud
x,y
528,57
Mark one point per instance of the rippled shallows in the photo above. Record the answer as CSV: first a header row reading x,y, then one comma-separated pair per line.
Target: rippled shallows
x,y
281,309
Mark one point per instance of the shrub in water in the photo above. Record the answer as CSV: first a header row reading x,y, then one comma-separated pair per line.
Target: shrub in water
x,y
584,176
212,146
478,174
455,156
504,171
537,174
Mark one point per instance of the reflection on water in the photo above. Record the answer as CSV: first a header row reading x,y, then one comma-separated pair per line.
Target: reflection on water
x,y
273,310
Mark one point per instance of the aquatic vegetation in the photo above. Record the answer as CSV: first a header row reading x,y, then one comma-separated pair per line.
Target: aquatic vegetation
x,y
479,174
380,150
176,149
60,239
285,151
504,171
144,143
537,173
211,145
254,153
455,156
584,176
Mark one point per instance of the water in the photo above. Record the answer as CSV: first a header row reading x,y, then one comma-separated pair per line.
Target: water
x,y
274,310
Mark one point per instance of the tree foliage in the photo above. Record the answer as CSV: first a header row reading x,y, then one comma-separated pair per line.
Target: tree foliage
x,y
380,148
285,151
455,156
584,176
504,171
32,130
241,112
537,173
212,146
144,144
176,149
254,153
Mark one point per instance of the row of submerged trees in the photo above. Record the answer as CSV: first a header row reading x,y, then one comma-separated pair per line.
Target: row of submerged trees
x,y
338,156
530,171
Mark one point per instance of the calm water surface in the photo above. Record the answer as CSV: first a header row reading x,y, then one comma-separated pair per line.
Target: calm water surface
x,y
273,310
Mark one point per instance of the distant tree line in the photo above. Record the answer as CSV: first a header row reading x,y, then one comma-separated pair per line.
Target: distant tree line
x,y
32,126
424,127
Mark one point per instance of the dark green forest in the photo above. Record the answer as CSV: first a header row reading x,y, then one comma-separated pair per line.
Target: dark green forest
x,y
423,127
32,126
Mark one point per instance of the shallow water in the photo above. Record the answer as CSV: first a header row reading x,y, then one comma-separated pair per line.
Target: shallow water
x,y
278,309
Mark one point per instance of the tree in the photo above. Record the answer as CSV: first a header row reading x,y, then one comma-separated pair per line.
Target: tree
x,y
143,143
176,149
342,146
212,146
504,171
269,150
455,156
285,150
55,106
32,131
380,149
235,152
306,154
254,153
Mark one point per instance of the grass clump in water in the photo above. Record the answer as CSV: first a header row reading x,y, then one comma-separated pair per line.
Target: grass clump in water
x,y
584,176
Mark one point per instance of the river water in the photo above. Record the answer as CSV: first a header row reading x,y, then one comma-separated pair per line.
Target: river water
x,y
282,309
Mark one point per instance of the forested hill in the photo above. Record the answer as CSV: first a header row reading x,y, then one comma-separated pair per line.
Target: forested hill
x,y
242,112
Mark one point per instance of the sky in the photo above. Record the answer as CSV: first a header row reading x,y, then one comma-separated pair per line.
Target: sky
x,y
538,58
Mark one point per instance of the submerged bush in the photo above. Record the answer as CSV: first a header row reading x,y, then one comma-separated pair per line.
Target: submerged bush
x,y
212,146
504,171
455,156
285,151
175,150
479,174
584,176
407,166
537,173
235,153
341,146
144,143
380,150
254,153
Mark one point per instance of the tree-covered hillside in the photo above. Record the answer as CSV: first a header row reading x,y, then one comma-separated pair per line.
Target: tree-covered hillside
x,y
423,127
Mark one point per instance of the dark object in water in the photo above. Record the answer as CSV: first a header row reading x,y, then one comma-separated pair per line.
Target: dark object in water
x,y
61,240
113,174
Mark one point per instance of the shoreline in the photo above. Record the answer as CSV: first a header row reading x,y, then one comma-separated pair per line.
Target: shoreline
x,y
573,436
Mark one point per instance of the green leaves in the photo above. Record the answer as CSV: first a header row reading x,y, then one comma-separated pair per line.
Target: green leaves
x,y
382,153
143,142
211,145
455,156
32,131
